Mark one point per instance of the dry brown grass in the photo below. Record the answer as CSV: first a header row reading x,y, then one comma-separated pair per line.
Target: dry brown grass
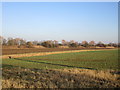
x,y
67,78
101,74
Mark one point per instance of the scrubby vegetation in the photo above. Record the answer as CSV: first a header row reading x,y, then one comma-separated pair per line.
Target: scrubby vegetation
x,y
17,77
20,43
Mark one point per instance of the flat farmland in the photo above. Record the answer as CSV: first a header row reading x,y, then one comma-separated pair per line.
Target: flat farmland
x,y
104,59
65,70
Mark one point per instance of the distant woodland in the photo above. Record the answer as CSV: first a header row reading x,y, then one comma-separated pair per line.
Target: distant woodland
x,y
21,43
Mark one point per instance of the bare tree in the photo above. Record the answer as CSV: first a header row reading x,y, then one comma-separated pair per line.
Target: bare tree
x,y
72,41
35,42
85,43
56,43
17,41
63,42
46,44
4,41
91,43
100,44
22,42
29,44
1,40
10,41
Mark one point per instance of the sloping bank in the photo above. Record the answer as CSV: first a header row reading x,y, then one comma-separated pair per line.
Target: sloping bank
x,y
42,53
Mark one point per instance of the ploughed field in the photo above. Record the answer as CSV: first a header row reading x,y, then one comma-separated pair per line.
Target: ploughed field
x,y
65,70
9,51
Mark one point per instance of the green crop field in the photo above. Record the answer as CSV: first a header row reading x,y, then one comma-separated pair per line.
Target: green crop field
x,y
104,59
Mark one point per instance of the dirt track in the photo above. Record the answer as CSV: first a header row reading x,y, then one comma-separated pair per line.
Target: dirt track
x,y
47,53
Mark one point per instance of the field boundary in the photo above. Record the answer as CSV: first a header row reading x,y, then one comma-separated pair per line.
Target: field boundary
x,y
43,53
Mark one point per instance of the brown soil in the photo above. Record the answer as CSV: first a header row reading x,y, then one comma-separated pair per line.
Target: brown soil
x,y
67,78
33,50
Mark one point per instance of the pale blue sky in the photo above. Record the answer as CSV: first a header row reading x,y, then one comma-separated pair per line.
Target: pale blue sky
x,y
56,21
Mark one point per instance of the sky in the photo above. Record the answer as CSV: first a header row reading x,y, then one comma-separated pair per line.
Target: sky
x,y
77,21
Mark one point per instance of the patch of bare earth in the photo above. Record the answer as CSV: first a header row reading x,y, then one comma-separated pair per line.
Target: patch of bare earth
x,y
58,78
42,53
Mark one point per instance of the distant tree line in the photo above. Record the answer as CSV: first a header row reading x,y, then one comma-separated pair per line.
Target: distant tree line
x,y
52,43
